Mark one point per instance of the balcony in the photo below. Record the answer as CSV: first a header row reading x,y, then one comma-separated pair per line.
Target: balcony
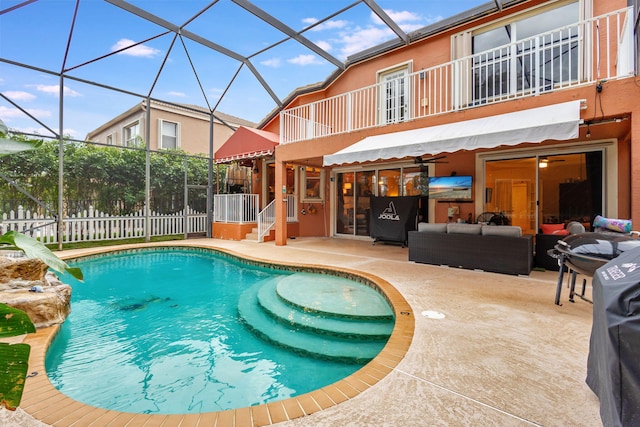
x,y
597,49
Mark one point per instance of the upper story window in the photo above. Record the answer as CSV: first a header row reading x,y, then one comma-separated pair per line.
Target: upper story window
x,y
534,52
131,135
312,184
110,139
394,95
169,135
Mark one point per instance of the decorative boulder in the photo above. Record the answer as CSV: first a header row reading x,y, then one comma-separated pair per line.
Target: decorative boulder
x,y
25,284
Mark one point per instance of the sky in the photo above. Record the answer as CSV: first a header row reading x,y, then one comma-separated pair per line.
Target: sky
x,y
41,38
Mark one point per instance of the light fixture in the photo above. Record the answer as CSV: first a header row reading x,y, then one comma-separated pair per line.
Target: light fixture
x,y
588,130
543,163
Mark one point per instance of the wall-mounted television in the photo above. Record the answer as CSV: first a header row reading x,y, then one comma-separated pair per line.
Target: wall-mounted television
x,y
451,188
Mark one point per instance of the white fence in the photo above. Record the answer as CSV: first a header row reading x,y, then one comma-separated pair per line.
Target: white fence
x,y
93,225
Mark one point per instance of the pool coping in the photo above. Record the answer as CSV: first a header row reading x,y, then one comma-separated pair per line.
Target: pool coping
x,y
45,403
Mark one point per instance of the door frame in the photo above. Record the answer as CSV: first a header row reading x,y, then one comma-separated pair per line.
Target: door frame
x,y
609,150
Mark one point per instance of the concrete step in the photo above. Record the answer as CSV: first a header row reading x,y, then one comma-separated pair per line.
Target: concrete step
x,y
253,236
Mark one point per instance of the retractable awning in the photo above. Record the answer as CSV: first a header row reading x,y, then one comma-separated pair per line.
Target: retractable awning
x,y
558,121
247,143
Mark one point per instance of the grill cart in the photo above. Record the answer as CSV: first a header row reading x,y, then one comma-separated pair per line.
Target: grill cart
x,y
584,253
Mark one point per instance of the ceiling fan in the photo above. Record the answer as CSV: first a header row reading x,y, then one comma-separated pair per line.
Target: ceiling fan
x,y
421,161
425,162
543,162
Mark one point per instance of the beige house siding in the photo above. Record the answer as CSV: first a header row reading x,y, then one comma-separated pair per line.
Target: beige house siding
x,y
192,121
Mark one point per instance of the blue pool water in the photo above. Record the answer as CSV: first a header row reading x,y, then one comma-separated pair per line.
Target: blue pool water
x,y
158,331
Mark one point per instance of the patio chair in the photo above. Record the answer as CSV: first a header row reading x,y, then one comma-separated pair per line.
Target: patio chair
x,y
492,218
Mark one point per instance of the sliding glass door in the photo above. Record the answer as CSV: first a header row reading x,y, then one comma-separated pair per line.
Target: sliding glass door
x,y
571,187
546,189
354,202
355,188
511,190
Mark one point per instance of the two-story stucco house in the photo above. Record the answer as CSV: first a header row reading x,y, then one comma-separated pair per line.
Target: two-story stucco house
x,y
170,126
533,104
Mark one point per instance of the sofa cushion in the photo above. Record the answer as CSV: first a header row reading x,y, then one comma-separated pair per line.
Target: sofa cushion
x,y
432,228
462,228
502,230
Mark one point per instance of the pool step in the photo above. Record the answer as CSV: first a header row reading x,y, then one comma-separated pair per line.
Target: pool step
x,y
308,333
300,317
333,296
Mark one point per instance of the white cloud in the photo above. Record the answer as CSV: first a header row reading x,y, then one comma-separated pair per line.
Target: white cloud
x,y
304,60
353,39
178,94
337,24
45,132
14,113
71,132
139,50
399,17
408,21
54,90
18,95
324,45
273,62
216,92
363,38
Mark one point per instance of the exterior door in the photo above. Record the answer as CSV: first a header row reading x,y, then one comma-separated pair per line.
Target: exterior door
x,y
571,187
542,189
394,97
510,184
354,191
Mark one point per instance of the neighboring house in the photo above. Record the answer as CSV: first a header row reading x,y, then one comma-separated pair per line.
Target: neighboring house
x,y
185,127
535,100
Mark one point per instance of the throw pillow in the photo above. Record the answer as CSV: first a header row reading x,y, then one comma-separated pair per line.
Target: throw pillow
x,y
557,229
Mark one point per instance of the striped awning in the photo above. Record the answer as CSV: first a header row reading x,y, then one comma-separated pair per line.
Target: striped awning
x,y
247,143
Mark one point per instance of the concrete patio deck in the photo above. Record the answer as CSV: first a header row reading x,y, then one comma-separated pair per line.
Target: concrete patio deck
x,y
503,354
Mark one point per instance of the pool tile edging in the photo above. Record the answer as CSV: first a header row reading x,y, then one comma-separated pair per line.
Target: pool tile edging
x,y
52,408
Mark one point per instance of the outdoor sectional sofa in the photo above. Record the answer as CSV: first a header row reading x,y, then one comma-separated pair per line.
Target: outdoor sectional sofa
x,y
495,248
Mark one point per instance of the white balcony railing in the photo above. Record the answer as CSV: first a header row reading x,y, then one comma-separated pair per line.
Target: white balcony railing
x,y
600,48
245,208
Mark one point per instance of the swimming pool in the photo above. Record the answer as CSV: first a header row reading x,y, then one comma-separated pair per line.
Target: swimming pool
x,y
145,345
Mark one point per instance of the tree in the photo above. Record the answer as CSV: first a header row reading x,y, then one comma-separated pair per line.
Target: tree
x,y
110,179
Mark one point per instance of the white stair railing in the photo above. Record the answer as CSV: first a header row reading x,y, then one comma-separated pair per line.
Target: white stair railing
x,y
267,217
266,220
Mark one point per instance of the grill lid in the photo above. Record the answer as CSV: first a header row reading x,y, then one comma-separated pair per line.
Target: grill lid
x,y
601,245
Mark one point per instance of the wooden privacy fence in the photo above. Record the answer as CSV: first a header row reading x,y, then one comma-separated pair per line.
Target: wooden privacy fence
x,y
93,225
